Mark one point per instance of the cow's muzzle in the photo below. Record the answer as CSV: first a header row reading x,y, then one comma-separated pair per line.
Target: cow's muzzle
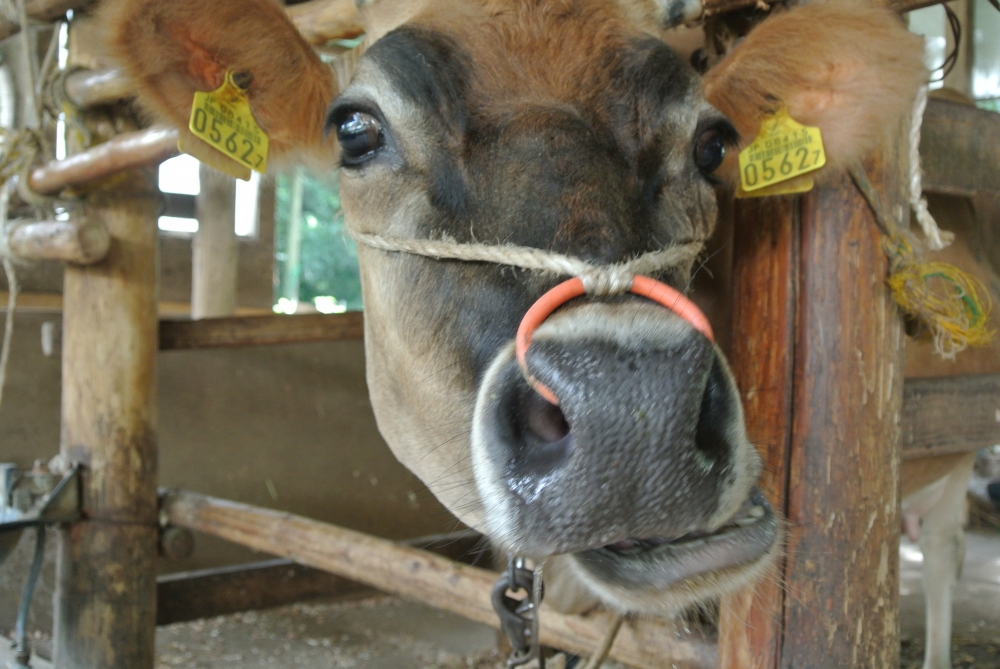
x,y
645,458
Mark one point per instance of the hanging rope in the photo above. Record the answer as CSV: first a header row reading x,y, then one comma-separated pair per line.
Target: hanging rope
x,y
13,288
936,238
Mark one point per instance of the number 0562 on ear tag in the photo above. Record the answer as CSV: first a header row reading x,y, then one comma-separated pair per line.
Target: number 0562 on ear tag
x,y
222,118
783,150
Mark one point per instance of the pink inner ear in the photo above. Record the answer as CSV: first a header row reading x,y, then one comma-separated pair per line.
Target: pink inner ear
x,y
202,67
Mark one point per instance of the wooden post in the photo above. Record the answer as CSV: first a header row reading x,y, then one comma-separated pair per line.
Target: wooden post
x,y
215,256
765,266
105,601
819,361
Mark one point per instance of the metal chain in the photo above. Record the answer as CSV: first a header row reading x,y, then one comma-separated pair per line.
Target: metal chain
x,y
519,618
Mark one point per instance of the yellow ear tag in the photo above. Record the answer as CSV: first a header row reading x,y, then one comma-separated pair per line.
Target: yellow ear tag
x,y
783,150
223,120
803,185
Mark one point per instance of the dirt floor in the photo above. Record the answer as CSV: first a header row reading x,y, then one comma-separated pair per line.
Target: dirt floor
x,y
389,633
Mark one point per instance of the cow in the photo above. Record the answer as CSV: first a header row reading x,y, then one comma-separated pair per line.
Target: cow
x,y
613,446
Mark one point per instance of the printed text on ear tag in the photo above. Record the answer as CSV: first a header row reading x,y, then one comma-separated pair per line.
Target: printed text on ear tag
x,y
223,120
783,150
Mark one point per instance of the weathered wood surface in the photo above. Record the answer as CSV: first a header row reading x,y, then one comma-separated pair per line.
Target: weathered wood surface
x,y
986,206
215,253
950,415
428,578
819,364
221,591
105,602
764,287
960,149
843,507
90,88
260,330
126,151
82,242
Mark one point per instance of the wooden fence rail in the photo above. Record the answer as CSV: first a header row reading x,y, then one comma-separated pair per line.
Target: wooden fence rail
x,y
426,577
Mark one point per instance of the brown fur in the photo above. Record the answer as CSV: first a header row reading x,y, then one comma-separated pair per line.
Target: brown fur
x,y
188,47
850,69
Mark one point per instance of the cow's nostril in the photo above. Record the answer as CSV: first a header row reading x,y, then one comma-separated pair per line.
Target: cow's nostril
x,y
543,419
715,420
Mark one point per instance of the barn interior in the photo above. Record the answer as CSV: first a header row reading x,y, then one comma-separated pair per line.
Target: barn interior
x,y
261,396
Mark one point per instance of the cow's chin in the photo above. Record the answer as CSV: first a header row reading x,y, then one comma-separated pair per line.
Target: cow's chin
x,y
664,576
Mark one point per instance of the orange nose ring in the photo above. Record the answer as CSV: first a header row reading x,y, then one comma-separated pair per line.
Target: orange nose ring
x,y
659,292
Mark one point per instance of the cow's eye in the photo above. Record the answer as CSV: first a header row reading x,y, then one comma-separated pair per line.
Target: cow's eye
x,y
710,151
360,136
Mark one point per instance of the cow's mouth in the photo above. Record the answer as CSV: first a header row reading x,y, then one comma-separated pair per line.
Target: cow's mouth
x,y
743,541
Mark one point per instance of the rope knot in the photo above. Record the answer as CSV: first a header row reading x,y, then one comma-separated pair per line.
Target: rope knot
x,y
607,281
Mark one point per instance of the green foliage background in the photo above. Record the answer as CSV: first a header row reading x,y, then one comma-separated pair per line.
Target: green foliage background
x,y
329,258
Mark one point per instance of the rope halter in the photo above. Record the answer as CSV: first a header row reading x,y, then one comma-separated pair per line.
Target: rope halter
x,y
589,279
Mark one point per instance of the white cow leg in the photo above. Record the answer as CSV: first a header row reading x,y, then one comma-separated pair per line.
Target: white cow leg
x,y
942,540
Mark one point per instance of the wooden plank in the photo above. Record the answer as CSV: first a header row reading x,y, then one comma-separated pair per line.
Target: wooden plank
x,y
260,330
764,281
214,592
105,600
428,578
951,414
841,569
960,149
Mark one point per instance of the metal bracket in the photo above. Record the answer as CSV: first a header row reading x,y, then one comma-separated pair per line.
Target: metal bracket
x,y
37,497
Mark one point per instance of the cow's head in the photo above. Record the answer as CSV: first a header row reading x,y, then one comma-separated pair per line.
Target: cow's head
x,y
562,125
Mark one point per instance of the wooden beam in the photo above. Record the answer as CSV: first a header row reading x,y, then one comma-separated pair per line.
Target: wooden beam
x,y
126,151
214,592
960,149
425,577
952,414
82,242
260,330
105,600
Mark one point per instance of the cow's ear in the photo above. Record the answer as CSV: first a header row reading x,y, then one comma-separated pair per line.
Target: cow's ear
x,y
172,49
848,68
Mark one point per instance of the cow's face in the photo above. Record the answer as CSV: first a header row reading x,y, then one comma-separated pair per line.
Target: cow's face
x,y
564,128
559,125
